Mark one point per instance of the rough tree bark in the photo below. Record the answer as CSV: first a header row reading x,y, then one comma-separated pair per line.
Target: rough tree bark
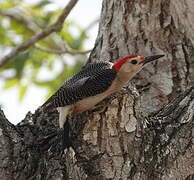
x,y
139,133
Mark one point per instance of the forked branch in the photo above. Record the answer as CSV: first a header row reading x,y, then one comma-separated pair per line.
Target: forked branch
x,y
57,26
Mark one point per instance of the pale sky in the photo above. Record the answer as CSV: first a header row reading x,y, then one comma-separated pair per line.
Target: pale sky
x,y
84,13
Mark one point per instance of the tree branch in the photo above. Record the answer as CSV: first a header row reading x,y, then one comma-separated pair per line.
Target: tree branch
x,y
159,140
57,26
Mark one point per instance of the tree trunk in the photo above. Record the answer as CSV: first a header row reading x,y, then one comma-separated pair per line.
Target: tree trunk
x,y
139,133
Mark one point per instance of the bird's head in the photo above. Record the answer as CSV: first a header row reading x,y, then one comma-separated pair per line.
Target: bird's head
x,y
133,64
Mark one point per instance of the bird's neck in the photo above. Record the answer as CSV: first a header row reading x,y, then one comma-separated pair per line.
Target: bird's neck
x,y
124,77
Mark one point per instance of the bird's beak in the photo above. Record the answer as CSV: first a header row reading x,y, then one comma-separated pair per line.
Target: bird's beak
x,y
151,58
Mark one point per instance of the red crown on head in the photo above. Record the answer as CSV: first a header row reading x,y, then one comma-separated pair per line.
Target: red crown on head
x,y
121,61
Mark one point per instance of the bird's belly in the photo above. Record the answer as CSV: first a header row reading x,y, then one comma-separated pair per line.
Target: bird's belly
x,y
91,101
88,103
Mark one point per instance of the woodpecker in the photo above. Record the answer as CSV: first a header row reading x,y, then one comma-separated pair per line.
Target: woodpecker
x,y
94,83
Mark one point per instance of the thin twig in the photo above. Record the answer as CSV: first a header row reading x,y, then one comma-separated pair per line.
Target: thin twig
x,y
29,24
57,26
66,51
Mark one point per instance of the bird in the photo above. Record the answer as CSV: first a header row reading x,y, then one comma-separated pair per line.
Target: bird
x,y
93,83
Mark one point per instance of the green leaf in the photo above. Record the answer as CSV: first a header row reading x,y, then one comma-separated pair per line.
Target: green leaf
x,y
10,83
20,29
7,4
19,63
42,3
22,91
43,83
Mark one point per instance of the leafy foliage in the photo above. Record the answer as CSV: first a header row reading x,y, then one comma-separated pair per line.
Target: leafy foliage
x,y
36,67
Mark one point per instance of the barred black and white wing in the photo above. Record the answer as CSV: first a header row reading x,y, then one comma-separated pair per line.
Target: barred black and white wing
x,y
91,80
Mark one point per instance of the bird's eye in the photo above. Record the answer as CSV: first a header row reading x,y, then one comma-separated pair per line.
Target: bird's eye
x,y
133,61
